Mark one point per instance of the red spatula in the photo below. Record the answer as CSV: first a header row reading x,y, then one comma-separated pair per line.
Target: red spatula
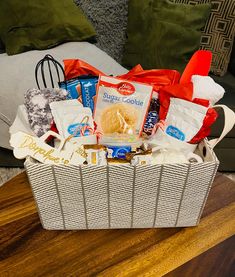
x,y
199,64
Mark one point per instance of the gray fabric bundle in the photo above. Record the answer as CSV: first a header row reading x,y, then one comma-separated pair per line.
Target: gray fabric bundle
x,y
37,105
109,18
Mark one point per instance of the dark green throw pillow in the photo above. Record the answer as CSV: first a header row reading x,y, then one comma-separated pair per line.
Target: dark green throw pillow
x,y
2,47
231,66
162,34
41,24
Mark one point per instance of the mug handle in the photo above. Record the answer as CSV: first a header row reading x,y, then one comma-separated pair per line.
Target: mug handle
x,y
229,121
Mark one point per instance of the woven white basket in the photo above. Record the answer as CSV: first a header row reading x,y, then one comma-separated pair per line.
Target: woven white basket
x,y
123,196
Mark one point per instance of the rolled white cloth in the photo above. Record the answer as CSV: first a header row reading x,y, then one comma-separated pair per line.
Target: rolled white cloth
x,y
206,88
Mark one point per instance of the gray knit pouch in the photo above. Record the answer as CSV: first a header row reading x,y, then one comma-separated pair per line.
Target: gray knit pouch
x,y
37,105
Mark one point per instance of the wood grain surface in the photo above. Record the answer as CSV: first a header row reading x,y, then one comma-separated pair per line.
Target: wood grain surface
x,y
29,250
218,261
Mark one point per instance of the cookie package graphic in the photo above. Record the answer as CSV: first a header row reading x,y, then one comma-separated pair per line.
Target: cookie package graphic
x,y
121,106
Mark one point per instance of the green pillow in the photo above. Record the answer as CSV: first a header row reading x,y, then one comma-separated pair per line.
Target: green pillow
x,y
162,34
2,47
41,24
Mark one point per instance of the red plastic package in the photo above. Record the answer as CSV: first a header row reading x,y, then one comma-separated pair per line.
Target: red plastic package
x,y
158,78
76,67
155,77
167,82
183,91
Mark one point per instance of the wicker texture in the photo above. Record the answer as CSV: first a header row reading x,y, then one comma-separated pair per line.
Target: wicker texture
x,y
121,196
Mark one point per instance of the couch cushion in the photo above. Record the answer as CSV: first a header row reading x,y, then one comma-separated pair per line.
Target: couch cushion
x,y
228,82
225,152
7,159
41,24
2,47
162,34
231,66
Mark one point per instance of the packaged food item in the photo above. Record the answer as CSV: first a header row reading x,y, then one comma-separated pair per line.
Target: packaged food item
x,y
140,157
119,145
161,140
96,154
173,156
118,151
82,87
121,106
74,123
184,119
169,156
70,118
57,108
73,88
144,159
168,149
153,116
66,103
88,91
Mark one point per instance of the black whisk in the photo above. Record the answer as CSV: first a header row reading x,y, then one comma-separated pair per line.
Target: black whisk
x,y
49,61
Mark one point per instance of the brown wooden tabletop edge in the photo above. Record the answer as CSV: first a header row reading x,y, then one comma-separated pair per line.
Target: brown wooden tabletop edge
x,y
224,230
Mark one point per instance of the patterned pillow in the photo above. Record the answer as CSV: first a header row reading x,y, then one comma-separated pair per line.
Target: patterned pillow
x,y
218,34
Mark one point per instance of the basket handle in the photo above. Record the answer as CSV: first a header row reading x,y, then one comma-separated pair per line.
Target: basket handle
x,y
229,121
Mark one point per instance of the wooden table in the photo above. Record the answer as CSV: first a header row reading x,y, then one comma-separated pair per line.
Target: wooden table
x,y
29,250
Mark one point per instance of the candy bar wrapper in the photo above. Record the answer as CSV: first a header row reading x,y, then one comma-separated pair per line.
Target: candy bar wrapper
x,y
118,151
152,117
96,154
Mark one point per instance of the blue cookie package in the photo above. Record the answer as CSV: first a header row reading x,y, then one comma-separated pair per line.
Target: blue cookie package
x,y
72,86
118,151
81,86
88,91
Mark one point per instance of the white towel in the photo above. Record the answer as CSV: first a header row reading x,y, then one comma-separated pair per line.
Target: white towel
x,y
206,88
